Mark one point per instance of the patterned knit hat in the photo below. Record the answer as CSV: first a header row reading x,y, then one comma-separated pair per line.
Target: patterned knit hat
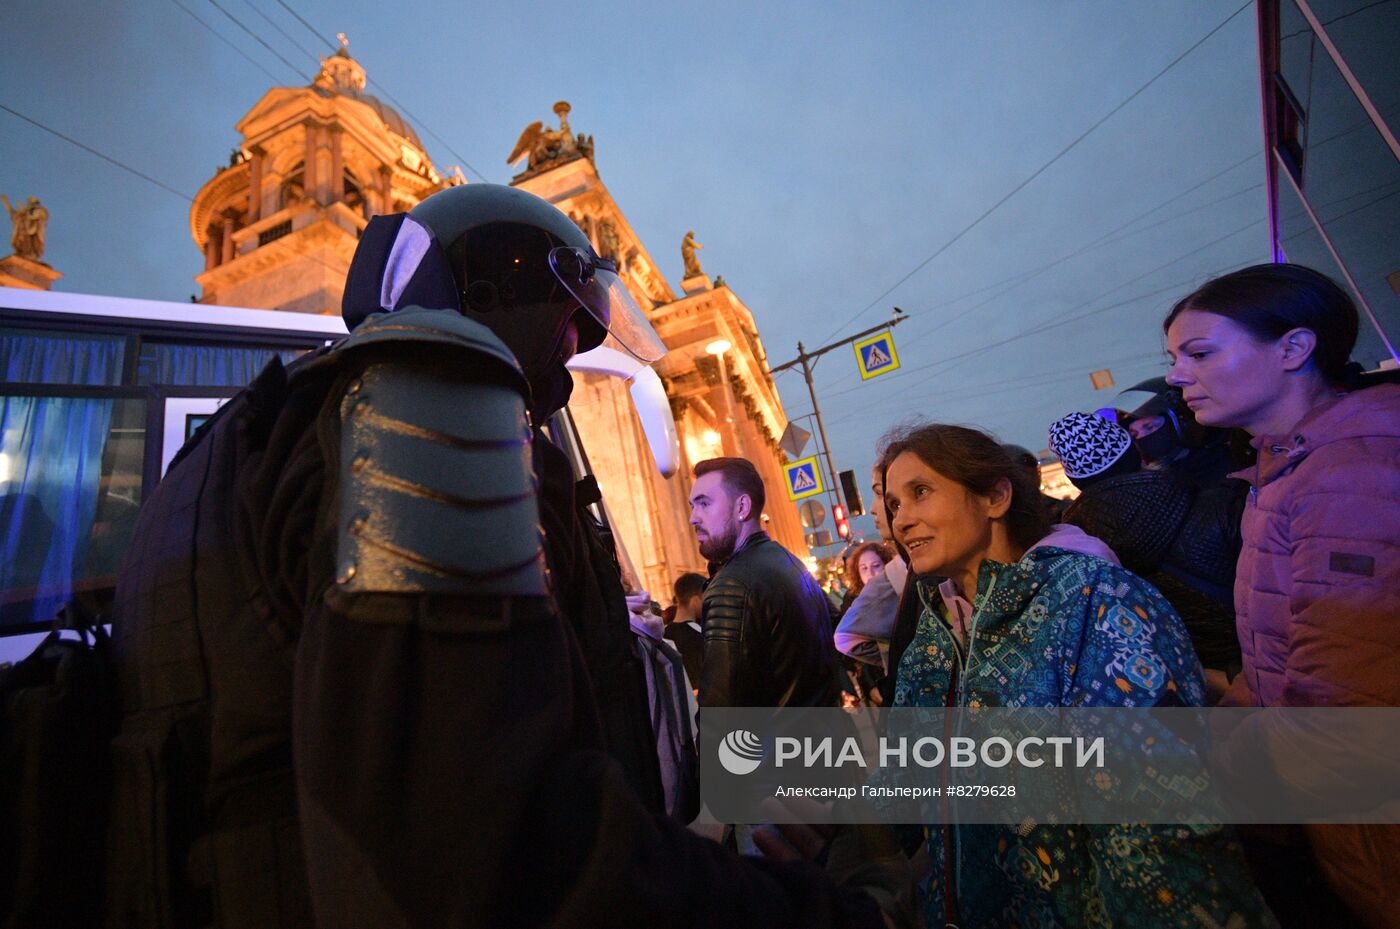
x,y
1088,444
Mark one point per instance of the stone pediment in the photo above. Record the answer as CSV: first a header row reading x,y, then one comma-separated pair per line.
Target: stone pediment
x,y
278,105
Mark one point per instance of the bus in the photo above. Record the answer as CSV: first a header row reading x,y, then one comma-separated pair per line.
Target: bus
x,y
100,393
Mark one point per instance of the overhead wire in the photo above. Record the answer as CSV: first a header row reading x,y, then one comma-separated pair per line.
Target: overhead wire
x,y
990,388
984,348
1025,276
426,128
1042,327
130,170
1065,318
1328,22
1077,253
1039,171
282,32
1028,379
1111,236
256,38
222,38
309,28
92,151
1183,194
1365,206
963,390
1106,238
312,55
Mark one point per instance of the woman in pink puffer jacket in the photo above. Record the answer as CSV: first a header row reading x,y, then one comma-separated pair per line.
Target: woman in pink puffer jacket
x,y
1317,590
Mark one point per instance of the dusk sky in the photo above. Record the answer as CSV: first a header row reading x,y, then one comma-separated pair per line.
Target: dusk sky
x,y
824,153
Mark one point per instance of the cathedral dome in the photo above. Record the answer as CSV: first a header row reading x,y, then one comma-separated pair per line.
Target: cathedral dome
x,y
343,76
392,120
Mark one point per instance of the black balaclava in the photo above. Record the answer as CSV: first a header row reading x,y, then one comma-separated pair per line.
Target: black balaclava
x,y
1162,444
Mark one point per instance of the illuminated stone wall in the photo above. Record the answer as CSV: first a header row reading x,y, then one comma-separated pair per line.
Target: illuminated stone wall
x,y
278,229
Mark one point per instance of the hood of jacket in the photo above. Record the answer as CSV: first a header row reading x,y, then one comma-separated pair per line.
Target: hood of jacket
x,y
1074,539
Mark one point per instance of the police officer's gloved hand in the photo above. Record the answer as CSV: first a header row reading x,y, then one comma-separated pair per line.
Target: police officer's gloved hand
x,y
866,856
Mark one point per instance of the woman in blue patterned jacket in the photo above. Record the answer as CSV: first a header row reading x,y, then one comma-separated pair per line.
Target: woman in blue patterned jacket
x,y
1021,624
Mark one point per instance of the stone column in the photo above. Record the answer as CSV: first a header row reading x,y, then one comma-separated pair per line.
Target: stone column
x,y
730,436
309,174
255,176
226,240
386,189
211,252
337,187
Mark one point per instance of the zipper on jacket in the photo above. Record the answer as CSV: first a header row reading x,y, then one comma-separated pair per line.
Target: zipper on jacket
x,y
950,895
972,637
950,906
952,864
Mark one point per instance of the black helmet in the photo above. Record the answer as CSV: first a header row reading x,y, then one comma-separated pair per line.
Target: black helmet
x,y
505,258
1166,401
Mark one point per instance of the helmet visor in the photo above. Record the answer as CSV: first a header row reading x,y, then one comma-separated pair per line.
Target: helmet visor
x,y
594,283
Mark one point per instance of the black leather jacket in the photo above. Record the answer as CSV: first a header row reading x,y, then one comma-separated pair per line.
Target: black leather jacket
x,y
768,632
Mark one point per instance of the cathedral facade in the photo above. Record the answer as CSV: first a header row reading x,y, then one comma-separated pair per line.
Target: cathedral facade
x,y
278,227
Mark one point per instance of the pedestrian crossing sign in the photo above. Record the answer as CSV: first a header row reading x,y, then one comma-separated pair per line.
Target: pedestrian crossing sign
x,y
804,478
876,355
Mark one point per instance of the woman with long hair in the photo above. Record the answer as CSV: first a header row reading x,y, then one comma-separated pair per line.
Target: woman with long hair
x,y
865,562
963,510
1317,587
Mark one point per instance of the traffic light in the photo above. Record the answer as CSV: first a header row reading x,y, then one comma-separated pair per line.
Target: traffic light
x,y
843,528
854,504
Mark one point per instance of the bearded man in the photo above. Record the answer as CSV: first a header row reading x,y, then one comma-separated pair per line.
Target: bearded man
x,y
768,630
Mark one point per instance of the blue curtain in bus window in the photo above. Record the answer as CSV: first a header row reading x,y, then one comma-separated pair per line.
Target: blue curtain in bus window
x,y
52,451
205,365
50,464
35,357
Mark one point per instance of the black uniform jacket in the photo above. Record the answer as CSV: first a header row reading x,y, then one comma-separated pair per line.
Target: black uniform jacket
x,y
303,735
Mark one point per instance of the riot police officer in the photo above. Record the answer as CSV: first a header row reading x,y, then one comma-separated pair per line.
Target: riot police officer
x,y
375,663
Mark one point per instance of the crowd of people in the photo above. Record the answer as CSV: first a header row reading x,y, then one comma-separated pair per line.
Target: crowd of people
x,y
369,691
1248,510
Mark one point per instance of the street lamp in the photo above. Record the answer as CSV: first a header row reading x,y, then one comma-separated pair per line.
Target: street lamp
x,y
731,436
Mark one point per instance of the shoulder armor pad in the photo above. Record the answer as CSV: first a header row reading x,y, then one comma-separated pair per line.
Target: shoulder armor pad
x,y
432,327
437,486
